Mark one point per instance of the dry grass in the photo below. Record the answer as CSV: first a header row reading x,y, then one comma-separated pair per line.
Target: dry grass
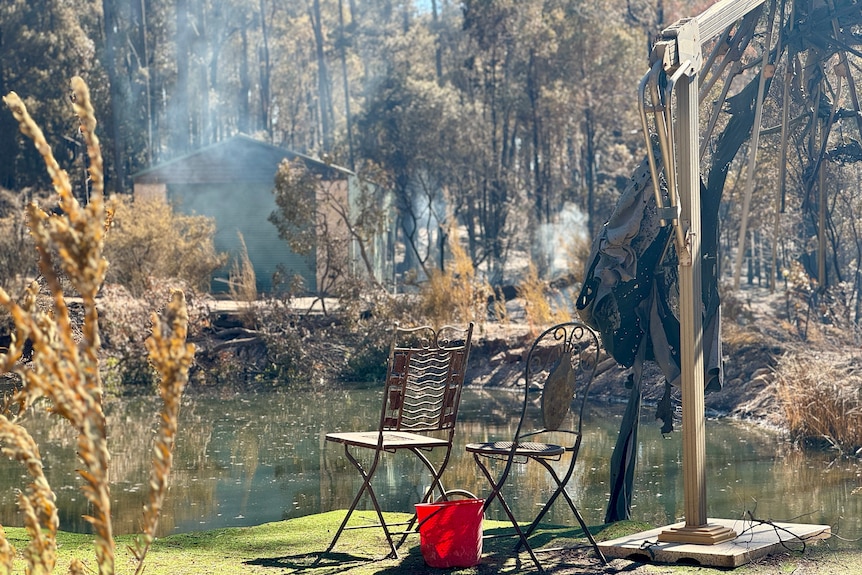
x,y
456,294
821,398
64,370
171,356
735,336
540,311
243,281
15,243
242,284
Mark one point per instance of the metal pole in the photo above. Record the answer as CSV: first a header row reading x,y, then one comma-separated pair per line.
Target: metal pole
x,y
691,320
681,47
697,528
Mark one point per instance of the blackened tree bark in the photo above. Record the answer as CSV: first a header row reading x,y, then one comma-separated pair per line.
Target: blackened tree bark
x,y
324,91
180,122
8,145
119,89
244,121
589,162
438,48
265,72
342,41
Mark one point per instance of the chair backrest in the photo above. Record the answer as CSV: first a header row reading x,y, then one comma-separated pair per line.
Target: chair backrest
x,y
424,378
559,369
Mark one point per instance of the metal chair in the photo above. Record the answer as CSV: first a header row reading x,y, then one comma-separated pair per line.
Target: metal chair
x,y
425,375
558,373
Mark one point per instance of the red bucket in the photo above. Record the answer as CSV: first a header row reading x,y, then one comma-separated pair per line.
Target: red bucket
x,y
450,532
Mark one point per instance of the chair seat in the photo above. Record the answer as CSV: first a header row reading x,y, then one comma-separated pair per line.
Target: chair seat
x,y
391,439
525,449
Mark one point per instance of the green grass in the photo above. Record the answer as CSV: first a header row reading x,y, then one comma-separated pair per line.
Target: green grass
x,y
295,546
292,546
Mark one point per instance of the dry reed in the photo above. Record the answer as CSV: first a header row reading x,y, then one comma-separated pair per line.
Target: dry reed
x,y
65,365
456,294
242,284
540,312
171,356
821,398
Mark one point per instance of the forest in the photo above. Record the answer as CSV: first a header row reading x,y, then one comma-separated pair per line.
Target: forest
x,y
513,122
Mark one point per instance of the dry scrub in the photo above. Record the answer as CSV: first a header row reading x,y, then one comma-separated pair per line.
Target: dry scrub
x,y
458,294
151,242
821,398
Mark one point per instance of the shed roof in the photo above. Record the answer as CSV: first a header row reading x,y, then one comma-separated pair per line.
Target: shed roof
x,y
239,158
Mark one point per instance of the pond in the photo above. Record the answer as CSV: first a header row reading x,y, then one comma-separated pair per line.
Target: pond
x,y
250,459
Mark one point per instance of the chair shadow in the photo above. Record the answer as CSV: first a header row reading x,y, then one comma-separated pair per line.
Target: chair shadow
x,y
319,562
505,537
558,547
498,556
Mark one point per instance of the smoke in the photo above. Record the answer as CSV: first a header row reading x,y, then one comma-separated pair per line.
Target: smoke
x,y
424,220
557,243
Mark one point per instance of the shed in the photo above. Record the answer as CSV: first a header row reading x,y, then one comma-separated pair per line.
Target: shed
x,y
232,181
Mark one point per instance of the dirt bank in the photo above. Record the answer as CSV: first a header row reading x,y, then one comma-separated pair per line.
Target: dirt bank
x,y
749,359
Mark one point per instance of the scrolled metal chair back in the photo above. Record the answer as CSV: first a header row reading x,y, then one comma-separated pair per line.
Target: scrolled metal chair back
x,y
424,378
561,365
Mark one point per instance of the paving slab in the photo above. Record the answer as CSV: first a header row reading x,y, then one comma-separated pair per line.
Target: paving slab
x,y
754,540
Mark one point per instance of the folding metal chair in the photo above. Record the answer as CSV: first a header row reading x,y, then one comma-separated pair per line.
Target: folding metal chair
x,y
558,373
421,396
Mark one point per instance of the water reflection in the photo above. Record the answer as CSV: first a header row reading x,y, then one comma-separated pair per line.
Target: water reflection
x,y
246,460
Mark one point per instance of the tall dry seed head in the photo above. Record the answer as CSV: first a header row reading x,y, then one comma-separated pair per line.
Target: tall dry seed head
x,y
65,368
171,356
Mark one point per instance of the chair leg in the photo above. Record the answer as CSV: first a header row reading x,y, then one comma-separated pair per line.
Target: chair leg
x,y
346,518
547,506
366,486
583,523
560,490
436,474
436,482
496,493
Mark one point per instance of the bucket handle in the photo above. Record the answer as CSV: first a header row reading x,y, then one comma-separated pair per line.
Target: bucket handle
x,y
462,492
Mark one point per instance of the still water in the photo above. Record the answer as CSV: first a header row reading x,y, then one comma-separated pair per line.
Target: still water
x,y
246,460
